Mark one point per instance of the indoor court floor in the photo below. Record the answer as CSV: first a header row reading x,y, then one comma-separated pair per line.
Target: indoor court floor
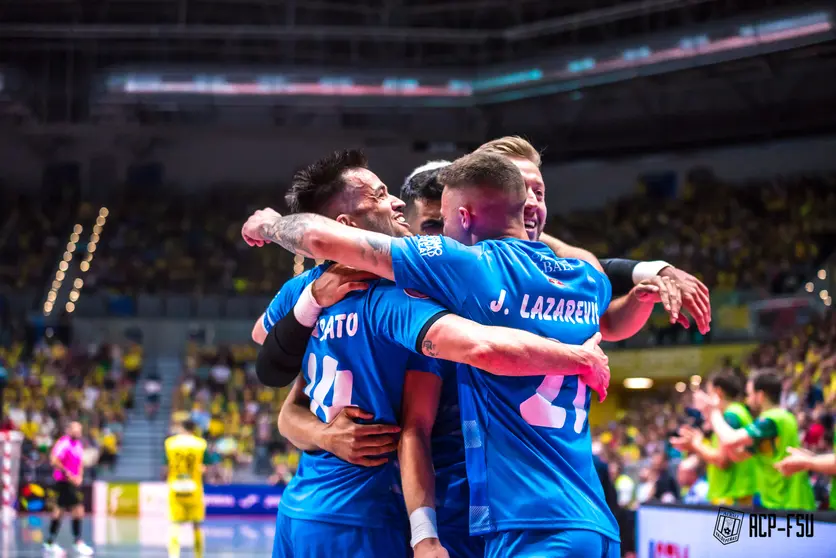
x,y
117,537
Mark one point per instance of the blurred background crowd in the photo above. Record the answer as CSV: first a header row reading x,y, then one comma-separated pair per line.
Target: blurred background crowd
x,y
764,237
218,390
51,384
699,132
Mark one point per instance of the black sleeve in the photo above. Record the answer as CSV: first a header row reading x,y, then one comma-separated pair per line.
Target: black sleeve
x,y
280,358
620,273
419,342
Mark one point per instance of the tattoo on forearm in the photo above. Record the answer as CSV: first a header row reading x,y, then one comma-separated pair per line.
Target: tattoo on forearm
x,y
289,233
429,348
373,248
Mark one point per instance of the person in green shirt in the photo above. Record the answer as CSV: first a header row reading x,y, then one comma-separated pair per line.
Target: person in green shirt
x,y
800,460
767,439
731,475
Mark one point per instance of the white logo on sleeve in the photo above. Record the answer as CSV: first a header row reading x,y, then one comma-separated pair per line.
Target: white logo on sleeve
x,y
429,246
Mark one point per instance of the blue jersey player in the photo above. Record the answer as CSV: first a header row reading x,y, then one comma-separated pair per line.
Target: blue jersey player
x,y
357,357
534,490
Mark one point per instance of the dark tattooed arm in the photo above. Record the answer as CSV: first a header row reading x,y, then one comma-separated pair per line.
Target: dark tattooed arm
x,y
318,237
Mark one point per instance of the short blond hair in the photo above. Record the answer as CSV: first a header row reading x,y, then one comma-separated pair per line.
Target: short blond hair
x,y
511,146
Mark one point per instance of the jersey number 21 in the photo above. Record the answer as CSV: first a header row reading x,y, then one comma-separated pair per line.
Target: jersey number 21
x,y
538,410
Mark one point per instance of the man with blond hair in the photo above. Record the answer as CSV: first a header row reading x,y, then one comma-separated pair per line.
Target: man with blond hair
x,y
695,296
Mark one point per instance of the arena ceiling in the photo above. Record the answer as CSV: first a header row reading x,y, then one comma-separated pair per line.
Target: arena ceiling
x,y
392,33
61,46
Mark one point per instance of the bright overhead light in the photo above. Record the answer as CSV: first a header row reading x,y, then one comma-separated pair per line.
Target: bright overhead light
x,y
638,383
680,387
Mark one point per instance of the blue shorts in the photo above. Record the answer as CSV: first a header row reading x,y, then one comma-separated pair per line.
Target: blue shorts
x,y
304,538
575,543
459,544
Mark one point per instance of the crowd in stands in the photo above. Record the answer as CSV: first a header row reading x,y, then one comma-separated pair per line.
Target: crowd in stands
x,y
181,243
51,384
759,236
33,230
220,393
643,462
765,236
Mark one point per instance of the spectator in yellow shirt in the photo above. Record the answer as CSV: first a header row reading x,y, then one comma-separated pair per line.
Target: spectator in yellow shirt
x,y
29,428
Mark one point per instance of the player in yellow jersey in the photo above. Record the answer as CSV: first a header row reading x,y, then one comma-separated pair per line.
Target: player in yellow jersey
x,y
185,458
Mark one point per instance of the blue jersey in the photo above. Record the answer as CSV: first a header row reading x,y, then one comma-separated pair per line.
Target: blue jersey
x,y
452,493
286,298
358,354
527,441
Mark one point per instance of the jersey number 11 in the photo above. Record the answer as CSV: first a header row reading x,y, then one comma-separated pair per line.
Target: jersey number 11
x,y
341,381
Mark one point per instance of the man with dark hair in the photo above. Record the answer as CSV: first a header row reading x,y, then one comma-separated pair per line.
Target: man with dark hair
x,y
533,430
731,476
356,362
422,194
767,438
341,186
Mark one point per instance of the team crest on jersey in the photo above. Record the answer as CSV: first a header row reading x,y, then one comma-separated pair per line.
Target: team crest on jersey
x,y
556,283
415,294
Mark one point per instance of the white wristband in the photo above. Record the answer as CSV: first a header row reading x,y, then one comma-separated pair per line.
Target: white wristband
x,y
422,523
307,310
648,270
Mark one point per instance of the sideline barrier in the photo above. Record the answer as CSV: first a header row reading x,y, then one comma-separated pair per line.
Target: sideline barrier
x,y
675,531
150,499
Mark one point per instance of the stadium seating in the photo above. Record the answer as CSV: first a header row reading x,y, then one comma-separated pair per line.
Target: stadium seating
x,y
219,391
761,236
57,384
32,231
186,244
